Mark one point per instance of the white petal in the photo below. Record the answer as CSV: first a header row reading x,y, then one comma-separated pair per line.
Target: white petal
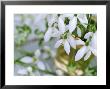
x,y
72,42
61,25
82,18
27,59
48,34
41,65
93,42
72,24
58,43
22,72
80,42
87,35
79,31
94,51
80,53
87,55
66,47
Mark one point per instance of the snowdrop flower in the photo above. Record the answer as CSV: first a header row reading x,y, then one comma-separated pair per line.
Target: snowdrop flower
x,y
61,25
71,26
83,19
48,34
88,35
72,23
51,32
70,41
65,43
87,50
27,59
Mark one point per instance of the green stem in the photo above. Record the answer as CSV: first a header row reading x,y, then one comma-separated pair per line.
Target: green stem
x,y
71,57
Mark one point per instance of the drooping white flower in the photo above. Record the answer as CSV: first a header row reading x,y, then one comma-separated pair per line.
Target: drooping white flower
x,y
72,24
93,42
80,53
26,59
61,25
80,42
58,43
65,43
87,35
70,41
66,47
87,50
83,19
48,34
51,32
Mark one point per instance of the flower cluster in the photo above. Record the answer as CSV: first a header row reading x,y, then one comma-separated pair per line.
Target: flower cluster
x,y
55,44
66,28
